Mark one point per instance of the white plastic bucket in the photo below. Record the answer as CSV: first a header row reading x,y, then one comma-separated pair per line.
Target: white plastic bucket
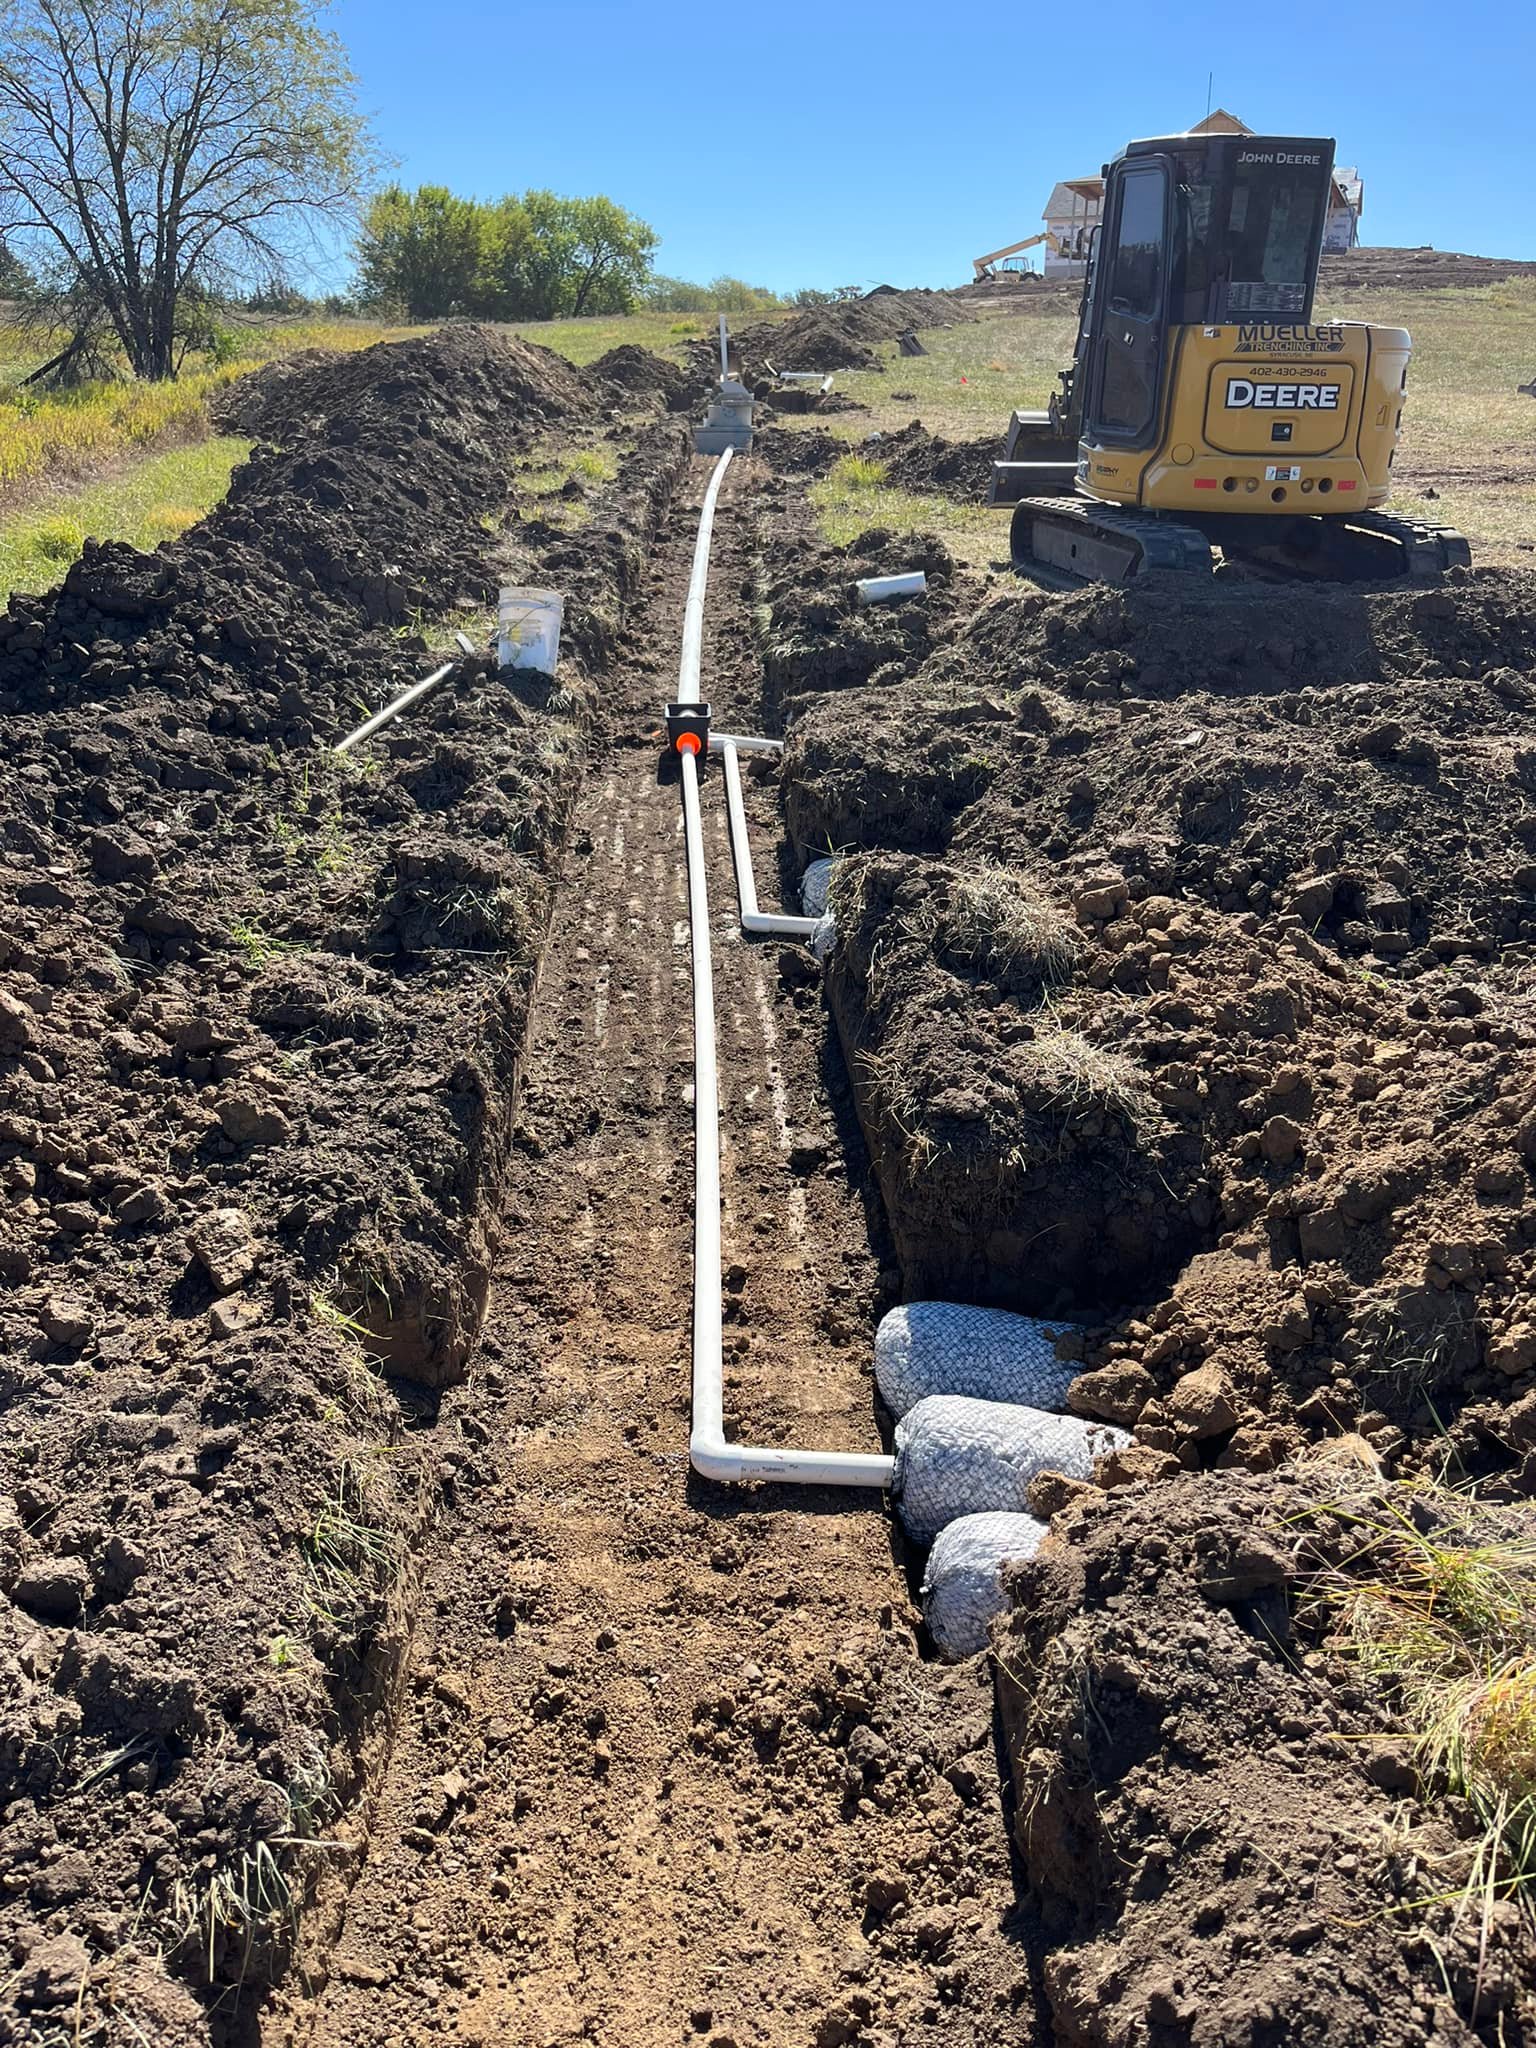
x,y
528,628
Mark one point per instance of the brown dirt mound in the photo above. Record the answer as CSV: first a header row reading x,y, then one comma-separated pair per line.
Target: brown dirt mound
x,y
811,341
461,369
1313,1187
1359,757
796,451
817,636
260,1022
839,337
1416,270
916,460
991,1126
638,370
1211,1809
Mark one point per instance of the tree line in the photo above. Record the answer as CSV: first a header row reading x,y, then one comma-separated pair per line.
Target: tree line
x,y
429,254
162,159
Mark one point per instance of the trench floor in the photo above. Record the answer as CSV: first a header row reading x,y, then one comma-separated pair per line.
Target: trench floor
x,y
593,1825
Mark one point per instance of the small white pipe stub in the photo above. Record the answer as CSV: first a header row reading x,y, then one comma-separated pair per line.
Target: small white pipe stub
x,y
882,589
392,711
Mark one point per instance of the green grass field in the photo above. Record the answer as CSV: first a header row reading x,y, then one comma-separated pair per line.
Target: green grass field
x,y
583,341
150,501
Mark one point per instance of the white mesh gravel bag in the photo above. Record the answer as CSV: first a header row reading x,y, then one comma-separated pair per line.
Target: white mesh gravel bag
x,y
820,941
814,884
956,1456
962,1588
948,1347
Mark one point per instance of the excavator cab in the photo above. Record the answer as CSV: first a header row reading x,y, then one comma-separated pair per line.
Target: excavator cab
x,y
1198,231
1204,404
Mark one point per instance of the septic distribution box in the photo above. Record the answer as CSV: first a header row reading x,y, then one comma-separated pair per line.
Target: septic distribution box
x,y
728,423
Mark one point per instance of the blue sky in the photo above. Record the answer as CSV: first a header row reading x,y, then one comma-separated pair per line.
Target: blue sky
x,y
829,142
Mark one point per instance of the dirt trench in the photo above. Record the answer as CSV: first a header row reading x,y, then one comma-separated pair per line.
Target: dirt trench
x,y
669,1766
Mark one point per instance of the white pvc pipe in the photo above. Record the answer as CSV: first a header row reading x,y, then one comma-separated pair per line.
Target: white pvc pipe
x,y
882,589
402,703
744,743
708,1452
691,653
757,924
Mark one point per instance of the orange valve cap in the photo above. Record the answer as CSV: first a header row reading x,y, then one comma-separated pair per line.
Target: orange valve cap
x,y
687,743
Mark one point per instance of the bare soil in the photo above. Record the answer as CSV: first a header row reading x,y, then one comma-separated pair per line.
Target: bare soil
x,y
1306,926
1353,270
1218,1810
669,1764
372,1668
260,1027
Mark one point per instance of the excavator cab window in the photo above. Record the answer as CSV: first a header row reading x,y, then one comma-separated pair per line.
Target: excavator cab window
x,y
1250,219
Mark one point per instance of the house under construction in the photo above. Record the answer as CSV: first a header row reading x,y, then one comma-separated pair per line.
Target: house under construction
x,y
1076,206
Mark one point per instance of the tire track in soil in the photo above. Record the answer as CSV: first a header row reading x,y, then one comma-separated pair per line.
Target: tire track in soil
x,y
557,1855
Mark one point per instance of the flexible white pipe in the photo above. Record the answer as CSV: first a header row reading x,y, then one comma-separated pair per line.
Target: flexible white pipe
x,y
402,703
755,923
690,655
708,1452
882,589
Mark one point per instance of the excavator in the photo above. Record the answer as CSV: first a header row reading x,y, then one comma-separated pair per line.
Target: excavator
x,y
1205,407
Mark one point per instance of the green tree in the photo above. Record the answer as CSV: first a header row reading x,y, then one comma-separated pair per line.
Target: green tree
x,y
720,295
584,256
424,251
155,154
14,275
506,240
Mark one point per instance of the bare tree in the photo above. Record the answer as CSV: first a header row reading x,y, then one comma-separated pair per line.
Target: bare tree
x,y
155,154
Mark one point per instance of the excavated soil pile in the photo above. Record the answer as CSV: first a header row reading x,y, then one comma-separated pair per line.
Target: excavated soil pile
x,y
817,635
916,460
1309,1193
840,337
1311,1190
1302,1179
260,1014
633,369
791,451
811,341
1214,1805
1361,758
466,368
1415,270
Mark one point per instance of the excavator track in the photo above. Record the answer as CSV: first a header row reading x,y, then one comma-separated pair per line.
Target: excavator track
x,y
1368,547
1085,542
1077,541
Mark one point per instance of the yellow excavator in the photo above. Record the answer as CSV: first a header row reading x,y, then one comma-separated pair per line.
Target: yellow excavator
x,y
1204,405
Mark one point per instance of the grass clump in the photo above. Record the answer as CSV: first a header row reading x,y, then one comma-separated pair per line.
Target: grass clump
x,y
59,539
347,1555
859,473
235,1903
992,921
1437,1605
854,496
548,474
